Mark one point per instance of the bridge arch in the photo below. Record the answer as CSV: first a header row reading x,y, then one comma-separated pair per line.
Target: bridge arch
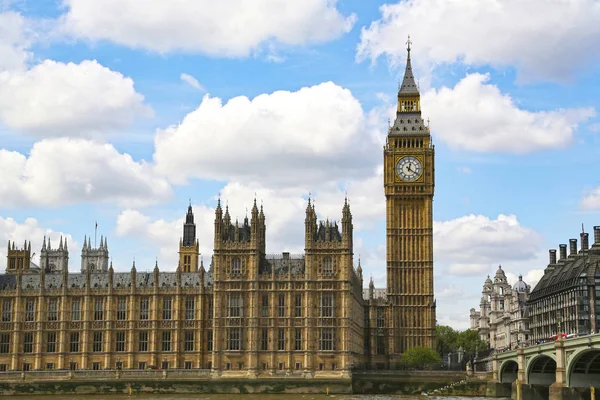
x,y
541,370
508,371
584,368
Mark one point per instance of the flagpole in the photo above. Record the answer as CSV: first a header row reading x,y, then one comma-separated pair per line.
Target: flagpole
x,y
95,234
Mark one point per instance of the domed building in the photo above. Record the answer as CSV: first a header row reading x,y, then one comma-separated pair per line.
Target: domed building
x,y
503,316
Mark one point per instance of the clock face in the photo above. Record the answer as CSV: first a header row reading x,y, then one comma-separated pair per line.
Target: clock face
x,y
409,169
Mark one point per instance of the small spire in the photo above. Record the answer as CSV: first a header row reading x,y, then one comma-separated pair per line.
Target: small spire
x,y
66,244
60,245
84,241
43,244
408,43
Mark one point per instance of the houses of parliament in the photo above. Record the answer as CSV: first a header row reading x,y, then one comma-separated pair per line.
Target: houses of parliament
x,y
248,313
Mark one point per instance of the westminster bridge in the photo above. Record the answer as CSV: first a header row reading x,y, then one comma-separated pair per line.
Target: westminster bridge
x,y
564,368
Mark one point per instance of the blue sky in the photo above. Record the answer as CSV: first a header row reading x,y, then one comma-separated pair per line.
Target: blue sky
x,y
121,111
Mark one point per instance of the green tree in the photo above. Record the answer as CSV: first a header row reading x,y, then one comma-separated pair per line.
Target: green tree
x,y
471,343
447,340
419,356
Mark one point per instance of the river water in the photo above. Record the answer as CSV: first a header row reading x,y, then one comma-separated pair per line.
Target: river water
x,y
282,396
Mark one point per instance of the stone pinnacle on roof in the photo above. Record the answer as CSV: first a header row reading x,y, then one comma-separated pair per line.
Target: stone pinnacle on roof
x,y
408,86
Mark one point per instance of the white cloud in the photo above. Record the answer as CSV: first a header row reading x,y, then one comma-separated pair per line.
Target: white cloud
x,y
531,277
316,134
233,28
591,199
29,230
553,45
67,171
472,244
464,170
14,41
190,80
475,115
59,99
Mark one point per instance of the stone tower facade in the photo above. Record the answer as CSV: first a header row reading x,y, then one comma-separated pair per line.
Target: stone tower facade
x,y
189,247
409,186
18,259
54,260
94,259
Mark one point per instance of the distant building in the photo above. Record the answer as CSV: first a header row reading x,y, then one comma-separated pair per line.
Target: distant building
x,y
565,300
503,316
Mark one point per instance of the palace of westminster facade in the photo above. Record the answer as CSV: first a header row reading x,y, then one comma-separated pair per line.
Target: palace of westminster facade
x,y
250,313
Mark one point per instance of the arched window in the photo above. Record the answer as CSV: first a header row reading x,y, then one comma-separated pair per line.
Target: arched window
x,y
236,266
327,265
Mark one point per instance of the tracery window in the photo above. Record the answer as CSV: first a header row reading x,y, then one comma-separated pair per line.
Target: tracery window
x,y
236,266
327,266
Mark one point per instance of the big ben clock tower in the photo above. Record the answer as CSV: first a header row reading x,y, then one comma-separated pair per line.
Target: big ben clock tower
x,y
409,183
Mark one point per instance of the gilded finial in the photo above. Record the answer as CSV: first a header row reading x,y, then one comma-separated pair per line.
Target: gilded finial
x,y
408,43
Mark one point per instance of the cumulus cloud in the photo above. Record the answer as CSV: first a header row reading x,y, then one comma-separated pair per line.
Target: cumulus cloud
x,y
316,134
29,230
190,80
474,32
591,199
67,171
474,243
68,99
233,28
15,40
490,121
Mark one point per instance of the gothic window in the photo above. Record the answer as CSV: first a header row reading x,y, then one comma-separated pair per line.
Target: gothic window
x,y
30,310
327,266
120,341
166,341
143,341
280,339
380,345
144,309
235,305
74,342
327,304
92,267
167,308
4,343
122,309
236,266
209,340
265,305
7,310
298,341
264,339
327,339
298,308
210,308
189,341
98,309
51,342
75,310
28,342
190,308
281,305
380,317
97,344
234,336
52,309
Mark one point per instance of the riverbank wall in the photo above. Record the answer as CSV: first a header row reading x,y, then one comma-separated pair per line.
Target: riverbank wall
x,y
203,382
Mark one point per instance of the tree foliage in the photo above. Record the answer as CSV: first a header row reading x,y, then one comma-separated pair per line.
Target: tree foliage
x,y
420,356
450,340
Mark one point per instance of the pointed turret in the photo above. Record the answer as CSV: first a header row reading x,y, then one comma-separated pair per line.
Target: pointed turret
x,y
371,289
84,242
189,228
60,245
44,244
66,247
49,244
408,86
359,270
